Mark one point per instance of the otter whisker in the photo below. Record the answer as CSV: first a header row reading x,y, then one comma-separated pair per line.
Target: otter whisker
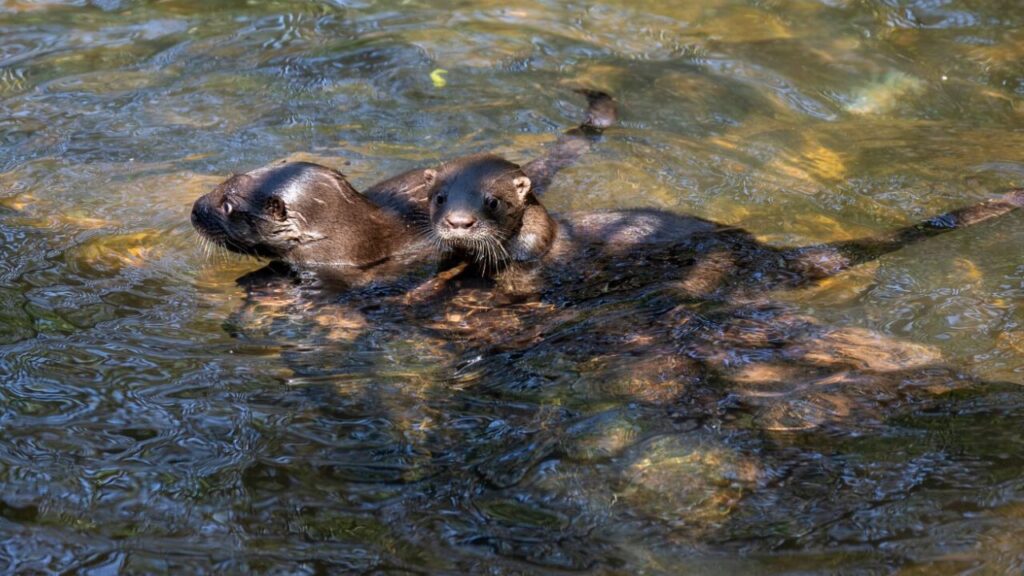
x,y
505,257
490,261
487,250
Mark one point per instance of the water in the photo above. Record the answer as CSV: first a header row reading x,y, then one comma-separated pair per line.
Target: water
x,y
158,418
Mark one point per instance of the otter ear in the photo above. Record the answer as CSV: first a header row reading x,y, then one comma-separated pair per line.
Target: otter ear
x,y
275,208
522,185
429,176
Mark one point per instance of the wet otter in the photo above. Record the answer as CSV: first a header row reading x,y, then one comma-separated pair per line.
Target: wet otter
x,y
311,217
305,213
483,211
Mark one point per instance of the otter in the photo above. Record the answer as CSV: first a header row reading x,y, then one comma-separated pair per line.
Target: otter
x,y
299,212
310,217
483,212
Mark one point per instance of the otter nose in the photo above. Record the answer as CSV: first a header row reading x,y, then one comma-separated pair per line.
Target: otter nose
x,y
460,220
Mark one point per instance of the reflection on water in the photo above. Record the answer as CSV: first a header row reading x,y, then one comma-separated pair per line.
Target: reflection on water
x,y
157,417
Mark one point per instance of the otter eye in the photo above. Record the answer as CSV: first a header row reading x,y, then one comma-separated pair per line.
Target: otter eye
x,y
439,199
493,203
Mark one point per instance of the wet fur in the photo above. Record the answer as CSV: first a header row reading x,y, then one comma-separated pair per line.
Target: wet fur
x,y
301,212
310,217
526,250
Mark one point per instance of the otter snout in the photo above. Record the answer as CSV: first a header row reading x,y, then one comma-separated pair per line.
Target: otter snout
x,y
460,220
201,213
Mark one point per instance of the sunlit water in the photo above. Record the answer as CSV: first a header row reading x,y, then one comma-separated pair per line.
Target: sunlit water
x,y
157,418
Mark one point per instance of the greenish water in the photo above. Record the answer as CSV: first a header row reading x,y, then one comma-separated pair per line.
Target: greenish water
x,y
156,418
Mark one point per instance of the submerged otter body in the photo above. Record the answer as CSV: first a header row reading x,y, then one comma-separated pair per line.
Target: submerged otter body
x,y
483,212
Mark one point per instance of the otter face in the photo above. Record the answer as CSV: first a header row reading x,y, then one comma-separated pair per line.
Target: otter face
x,y
270,211
476,204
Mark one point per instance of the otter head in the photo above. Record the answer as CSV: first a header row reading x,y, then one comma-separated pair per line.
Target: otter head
x,y
477,205
293,211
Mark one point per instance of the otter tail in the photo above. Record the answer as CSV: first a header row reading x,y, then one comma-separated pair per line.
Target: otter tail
x,y
602,112
817,262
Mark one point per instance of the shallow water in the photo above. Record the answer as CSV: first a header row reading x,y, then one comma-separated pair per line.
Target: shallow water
x,y
157,418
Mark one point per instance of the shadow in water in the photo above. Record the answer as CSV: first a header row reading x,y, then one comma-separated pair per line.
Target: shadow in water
x,y
556,433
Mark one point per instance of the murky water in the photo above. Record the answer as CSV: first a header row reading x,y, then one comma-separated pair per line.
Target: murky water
x,y
155,417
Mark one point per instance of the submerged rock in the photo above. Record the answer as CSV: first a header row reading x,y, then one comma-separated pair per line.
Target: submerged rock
x,y
600,437
885,94
686,480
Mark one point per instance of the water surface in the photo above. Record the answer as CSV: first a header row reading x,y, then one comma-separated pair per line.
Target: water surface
x,y
155,417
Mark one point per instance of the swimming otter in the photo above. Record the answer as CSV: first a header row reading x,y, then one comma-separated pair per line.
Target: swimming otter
x,y
311,217
302,213
483,211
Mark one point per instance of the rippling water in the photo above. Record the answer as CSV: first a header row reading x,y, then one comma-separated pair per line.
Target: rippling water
x,y
155,417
